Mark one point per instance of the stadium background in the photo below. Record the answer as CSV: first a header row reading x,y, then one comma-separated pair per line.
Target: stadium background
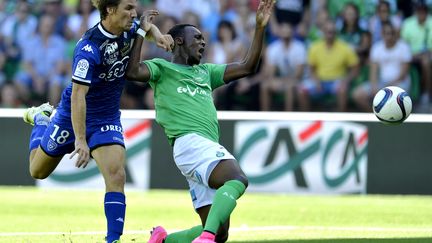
x,y
295,155
35,52
283,153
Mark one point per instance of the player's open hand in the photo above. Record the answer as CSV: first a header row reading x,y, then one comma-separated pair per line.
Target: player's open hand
x,y
83,151
147,18
264,11
165,42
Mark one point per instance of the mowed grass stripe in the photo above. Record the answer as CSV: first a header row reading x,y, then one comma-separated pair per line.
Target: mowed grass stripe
x,y
241,229
77,216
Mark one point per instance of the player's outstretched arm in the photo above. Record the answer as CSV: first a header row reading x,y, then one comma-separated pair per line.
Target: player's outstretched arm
x,y
248,66
136,70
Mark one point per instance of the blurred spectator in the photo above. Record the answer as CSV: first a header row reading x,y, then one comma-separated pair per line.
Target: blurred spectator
x,y
283,70
225,11
228,48
43,58
244,93
417,32
389,66
17,30
290,11
204,8
315,31
333,66
85,17
383,14
407,7
359,23
366,7
55,9
351,31
9,97
174,8
243,8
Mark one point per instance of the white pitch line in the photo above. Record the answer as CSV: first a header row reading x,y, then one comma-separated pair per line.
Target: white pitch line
x,y
240,229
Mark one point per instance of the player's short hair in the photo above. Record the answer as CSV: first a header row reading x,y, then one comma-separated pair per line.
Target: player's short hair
x,y
102,6
178,30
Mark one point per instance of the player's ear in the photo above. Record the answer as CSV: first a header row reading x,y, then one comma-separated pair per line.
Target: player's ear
x,y
178,41
111,10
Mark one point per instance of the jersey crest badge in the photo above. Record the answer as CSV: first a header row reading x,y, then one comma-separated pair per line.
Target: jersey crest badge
x,y
111,53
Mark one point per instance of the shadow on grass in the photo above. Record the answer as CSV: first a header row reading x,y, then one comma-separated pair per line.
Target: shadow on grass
x,y
405,240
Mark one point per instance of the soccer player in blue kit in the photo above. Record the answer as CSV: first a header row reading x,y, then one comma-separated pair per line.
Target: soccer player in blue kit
x,y
87,121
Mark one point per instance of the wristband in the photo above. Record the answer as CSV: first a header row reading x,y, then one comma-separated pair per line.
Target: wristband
x,y
141,32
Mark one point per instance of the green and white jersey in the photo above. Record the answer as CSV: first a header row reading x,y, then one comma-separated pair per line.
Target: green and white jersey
x,y
183,97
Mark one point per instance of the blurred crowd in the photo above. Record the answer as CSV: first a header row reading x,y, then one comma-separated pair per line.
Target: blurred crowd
x,y
320,55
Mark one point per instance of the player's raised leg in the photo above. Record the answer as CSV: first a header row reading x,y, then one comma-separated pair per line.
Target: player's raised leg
x,y
230,182
41,165
111,161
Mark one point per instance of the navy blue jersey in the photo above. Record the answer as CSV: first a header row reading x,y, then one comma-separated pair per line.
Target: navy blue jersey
x,y
100,60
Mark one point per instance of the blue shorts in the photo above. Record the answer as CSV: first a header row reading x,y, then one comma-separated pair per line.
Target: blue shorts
x,y
59,138
328,87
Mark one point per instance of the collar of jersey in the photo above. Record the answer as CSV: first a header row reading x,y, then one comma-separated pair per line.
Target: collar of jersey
x,y
106,33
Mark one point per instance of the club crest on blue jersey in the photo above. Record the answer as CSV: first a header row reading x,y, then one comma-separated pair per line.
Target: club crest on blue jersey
x,y
111,53
51,145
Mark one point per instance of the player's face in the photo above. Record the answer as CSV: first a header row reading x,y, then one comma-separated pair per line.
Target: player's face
x,y
125,14
194,43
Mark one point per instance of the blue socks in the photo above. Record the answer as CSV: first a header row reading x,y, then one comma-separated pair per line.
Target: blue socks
x,y
115,209
40,125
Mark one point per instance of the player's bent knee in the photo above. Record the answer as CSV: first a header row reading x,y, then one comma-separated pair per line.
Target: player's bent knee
x,y
38,174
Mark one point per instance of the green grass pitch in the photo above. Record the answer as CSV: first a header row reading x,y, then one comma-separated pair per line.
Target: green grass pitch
x,y
36,215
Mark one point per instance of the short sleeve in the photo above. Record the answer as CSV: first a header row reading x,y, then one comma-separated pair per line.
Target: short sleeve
x,y
86,58
216,72
155,71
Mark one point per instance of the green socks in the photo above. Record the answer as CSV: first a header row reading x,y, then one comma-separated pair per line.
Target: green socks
x,y
224,203
184,236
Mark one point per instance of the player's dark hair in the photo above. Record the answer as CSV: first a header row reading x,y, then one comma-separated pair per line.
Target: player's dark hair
x,y
102,6
178,30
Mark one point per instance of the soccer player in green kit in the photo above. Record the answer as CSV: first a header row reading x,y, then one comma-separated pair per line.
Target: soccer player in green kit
x,y
185,110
